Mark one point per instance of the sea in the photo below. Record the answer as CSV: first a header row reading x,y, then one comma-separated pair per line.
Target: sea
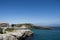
x,y
45,35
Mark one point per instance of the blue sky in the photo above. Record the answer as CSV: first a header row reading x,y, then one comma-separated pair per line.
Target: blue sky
x,y
30,11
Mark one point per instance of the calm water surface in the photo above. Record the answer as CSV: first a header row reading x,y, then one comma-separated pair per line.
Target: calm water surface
x,y
45,35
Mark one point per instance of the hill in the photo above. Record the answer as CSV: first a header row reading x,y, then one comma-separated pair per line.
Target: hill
x,y
32,26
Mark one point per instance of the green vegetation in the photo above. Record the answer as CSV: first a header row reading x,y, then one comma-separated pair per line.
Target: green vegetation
x,y
1,31
9,29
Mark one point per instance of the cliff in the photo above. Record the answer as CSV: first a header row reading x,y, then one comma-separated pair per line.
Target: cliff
x,y
15,34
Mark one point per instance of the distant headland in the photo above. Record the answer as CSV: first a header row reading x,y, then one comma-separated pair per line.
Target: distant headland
x,y
27,25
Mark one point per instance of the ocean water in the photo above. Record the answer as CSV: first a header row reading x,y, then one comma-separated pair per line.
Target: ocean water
x,y
45,35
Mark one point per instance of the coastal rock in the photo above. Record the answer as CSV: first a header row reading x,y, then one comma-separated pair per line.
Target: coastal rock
x,y
1,37
16,35
8,37
28,33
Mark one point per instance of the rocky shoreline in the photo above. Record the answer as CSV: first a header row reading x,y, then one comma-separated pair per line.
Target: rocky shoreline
x,y
16,35
18,31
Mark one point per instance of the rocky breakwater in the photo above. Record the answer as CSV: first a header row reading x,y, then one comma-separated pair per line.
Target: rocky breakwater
x,y
16,35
